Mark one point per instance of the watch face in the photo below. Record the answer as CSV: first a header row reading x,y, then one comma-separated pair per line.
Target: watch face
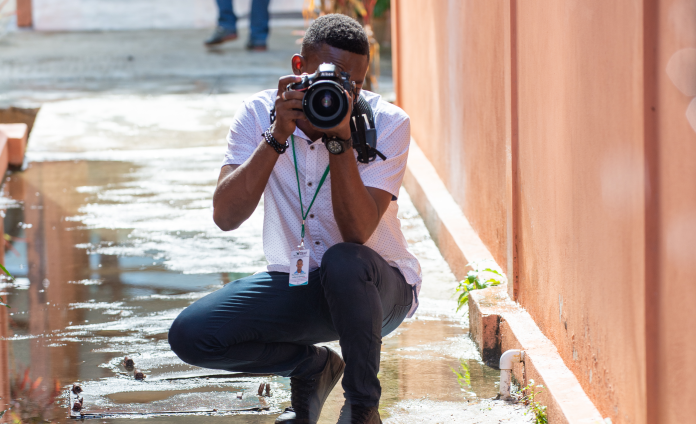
x,y
334,146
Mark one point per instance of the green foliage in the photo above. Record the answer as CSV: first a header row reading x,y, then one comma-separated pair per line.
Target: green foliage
x,y
528,395
480,277
464,377
380,7
2,302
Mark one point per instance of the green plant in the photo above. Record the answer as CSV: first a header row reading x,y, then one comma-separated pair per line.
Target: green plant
x,y
2,302
380,7
480,277
464,377
528,395
31,401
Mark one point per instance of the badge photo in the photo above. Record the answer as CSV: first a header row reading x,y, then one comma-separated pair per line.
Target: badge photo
x,y
299,267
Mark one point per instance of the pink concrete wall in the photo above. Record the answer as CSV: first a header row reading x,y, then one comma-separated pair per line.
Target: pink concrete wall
x,y
580,239
670,112
453,88
593,104
24,18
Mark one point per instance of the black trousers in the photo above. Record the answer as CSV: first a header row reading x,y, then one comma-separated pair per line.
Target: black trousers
x,y
259,324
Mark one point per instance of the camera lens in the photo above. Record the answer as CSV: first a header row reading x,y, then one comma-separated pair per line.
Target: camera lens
x,y
326,101
325,104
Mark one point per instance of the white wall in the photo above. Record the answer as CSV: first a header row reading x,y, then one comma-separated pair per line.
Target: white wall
x,y
7,16
78,15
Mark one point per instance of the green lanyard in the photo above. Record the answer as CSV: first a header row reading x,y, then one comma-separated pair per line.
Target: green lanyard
x,y
299,190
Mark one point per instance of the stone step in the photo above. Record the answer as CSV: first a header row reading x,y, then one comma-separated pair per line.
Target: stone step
x,y
16,140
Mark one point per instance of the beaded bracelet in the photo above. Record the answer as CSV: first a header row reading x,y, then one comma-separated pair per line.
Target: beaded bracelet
x,y
279,148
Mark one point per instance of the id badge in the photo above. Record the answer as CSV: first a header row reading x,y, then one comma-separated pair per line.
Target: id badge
x,y
299,267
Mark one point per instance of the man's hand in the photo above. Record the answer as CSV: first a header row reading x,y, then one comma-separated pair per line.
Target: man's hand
x,y
240,187
288,109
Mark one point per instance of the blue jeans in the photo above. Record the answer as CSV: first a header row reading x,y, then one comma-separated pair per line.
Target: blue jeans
x,y
261,325
258,19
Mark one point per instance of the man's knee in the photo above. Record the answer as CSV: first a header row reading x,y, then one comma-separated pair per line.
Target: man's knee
x,y
187,341
347,261
347,255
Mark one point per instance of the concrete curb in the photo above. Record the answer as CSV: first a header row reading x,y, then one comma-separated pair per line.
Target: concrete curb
x,y
496,323
449,228
4,155
17,142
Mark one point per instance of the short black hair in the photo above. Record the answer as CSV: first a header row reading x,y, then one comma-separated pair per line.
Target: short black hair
x,y
339,31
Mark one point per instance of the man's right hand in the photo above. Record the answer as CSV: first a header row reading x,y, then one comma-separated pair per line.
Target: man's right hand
x,y
288,109
240,187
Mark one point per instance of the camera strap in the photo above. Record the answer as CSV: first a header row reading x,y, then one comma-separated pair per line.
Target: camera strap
x,y
363,132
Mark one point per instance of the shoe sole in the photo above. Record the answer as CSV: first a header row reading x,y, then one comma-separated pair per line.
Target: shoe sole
x,y
224,40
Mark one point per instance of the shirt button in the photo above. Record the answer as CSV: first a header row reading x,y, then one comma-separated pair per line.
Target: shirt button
x,y
311,215
317,243
311,147
309,183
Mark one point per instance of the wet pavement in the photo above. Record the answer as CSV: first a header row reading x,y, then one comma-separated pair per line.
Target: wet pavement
x,y
111,235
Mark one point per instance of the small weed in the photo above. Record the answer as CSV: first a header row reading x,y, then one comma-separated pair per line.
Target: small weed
x,y
480,277
31,401
2,302
464,377
527,395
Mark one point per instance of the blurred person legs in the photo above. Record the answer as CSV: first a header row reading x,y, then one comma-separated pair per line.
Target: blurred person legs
x,y
258,25
227,24
226,29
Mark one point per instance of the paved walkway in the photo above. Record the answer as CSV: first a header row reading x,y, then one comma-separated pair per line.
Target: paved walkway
x,y
42,66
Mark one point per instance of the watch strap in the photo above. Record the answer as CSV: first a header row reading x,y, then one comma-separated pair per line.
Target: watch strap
x,y
347,144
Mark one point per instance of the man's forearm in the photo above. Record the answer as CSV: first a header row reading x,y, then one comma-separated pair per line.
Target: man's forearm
x,y
356,211
239,190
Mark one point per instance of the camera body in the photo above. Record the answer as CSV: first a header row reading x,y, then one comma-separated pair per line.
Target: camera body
x,y
324,103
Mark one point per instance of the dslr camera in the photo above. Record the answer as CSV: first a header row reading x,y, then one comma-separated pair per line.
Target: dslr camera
x,y
325,104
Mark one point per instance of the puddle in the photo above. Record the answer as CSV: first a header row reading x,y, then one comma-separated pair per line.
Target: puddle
x,y
110,246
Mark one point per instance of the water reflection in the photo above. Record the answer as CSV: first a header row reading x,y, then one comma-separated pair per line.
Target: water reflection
x,y
109,247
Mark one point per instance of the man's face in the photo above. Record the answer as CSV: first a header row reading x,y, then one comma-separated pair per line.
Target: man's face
x,y
353,63
299,265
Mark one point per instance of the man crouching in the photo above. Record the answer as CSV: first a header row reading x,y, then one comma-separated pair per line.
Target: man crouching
x,y
338,265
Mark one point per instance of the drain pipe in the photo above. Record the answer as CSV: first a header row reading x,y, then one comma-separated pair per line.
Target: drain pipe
x,y
506,360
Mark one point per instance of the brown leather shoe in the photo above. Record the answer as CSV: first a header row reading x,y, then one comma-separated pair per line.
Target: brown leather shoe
x,y
309,394
356,414
220,35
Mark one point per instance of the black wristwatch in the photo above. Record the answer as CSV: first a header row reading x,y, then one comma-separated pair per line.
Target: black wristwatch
x,y
337,145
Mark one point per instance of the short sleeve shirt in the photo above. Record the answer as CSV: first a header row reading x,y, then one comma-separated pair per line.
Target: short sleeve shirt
x,y
282,217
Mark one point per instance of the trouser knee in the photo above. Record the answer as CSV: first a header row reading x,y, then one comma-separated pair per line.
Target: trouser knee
x,y
344,262
348,258
187,342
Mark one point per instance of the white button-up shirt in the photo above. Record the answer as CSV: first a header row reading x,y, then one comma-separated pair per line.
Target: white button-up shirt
x,y
282,217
